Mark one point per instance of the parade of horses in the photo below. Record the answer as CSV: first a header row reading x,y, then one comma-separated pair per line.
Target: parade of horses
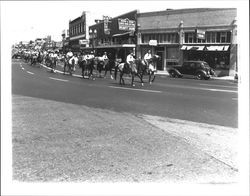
x,y
88,62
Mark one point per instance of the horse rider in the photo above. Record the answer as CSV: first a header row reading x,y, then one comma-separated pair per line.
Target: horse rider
x,y
105,59
69,55
130,61
54,57
147,57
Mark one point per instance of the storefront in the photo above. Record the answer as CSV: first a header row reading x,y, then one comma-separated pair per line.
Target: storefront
x,y
116,36
188,34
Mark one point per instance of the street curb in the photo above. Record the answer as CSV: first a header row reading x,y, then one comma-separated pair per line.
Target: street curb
x,y
158,74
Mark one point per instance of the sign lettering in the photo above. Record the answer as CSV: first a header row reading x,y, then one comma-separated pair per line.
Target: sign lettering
x,y
106,22
200,34
126,24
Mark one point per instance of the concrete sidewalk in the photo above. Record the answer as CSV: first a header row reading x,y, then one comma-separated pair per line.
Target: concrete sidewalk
x,y
231,78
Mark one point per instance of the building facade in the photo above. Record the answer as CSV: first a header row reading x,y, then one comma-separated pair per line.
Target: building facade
x,y
78,32
116,36
208,34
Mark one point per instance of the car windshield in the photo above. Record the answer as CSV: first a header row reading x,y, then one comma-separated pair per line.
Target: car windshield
x,y
205,65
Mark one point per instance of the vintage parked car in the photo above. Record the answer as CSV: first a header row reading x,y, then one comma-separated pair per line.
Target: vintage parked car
x,y
198,69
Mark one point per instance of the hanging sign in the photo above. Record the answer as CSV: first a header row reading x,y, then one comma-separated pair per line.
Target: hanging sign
x,y
106,24
83,41
126,24
152,42
200,34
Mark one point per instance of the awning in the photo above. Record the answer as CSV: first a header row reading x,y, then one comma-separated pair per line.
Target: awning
x,y
197,48
118,35
112,46
184,47
225,48
218,48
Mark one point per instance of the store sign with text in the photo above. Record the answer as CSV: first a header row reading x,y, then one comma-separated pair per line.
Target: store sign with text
x,y
106,25
126,24
200,34
83,41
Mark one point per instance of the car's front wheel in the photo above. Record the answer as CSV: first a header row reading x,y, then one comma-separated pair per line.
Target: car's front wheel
x,y
199,76
172,74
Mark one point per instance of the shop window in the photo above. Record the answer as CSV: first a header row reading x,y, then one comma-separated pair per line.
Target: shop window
x,y
190,38
213,37
161,38
218,34
208,37
228,37
223,37
186,37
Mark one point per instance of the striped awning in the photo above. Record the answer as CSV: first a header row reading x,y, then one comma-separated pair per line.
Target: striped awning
x,y
209,48
218,48
185,47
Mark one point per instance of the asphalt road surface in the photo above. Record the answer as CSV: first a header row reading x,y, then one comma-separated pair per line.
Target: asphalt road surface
x,y
206,101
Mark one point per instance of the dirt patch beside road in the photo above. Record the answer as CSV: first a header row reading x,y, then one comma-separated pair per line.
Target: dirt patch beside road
x,y
55,141
217,141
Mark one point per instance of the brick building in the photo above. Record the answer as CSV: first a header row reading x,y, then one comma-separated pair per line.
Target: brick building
x,y
78,32
115,35
207,34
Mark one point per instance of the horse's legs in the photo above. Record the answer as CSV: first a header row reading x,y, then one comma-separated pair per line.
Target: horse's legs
x,y
110,71
149,79
153,77
140,76
84,70
121,79
105,73
133,77
64,68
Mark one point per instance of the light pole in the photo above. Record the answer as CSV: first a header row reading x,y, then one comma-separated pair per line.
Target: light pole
x,y
93,34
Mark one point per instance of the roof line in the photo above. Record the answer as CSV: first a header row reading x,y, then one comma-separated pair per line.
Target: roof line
x,y
116,17
181,11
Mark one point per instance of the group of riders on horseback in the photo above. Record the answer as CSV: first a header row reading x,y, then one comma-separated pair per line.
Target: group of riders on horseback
x,y
88,62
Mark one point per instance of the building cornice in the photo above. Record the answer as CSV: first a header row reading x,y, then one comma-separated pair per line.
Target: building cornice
x,y
187,29
182,11
77,37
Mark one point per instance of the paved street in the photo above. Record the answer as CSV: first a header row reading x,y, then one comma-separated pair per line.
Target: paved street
x,y
72,129
212,101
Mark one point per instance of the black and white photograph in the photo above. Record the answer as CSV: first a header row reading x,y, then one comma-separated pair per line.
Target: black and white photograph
x,y
125,98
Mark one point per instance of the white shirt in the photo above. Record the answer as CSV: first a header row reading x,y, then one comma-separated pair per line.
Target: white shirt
x,y
90,56
130,58
75,59
147,56
69,54
105,57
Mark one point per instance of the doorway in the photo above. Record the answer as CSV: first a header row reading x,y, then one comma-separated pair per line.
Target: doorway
x,y
160,62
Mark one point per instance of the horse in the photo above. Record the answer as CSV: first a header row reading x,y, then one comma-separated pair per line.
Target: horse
x,y
33,59
137,68
104,64
152,67
69,65
53,61
87,65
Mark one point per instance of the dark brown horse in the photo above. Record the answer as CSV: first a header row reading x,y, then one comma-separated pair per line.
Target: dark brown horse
x,y
137,68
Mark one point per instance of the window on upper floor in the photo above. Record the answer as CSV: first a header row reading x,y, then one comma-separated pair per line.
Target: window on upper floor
x,y
160,37
189,38
210,37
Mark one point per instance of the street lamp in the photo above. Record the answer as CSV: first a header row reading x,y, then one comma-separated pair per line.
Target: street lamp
x,y
93,34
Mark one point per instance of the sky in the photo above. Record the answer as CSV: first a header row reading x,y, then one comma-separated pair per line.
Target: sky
x,y
28,20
